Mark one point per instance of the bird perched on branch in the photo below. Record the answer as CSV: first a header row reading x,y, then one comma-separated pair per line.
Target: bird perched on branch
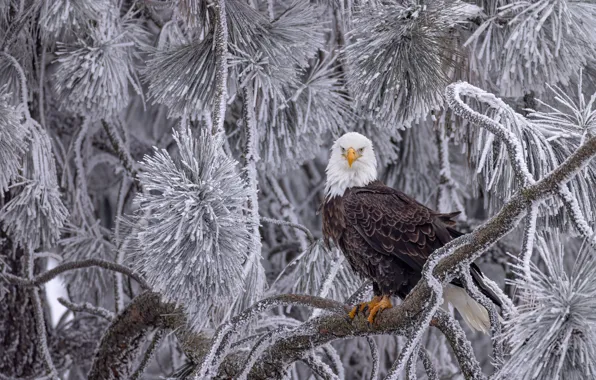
x,y
386,235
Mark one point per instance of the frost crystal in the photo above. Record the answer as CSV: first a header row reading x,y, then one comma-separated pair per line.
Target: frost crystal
x,y
192,236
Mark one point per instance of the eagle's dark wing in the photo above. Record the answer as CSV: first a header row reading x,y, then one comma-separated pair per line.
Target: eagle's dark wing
x,y
395,224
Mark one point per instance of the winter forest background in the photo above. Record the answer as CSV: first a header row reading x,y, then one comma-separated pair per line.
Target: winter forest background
x,y
166,158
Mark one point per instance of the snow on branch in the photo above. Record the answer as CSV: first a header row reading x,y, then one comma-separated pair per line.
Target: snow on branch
x,y
495,321
514,147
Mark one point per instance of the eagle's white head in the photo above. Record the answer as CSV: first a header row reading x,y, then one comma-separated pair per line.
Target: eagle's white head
x,y
352,163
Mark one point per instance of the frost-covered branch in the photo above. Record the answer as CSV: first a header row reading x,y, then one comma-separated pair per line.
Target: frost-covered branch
x,y
66,267
514,147
374,355
460,344
297,226
427,362
222,339
153,346
221,67
529,236
495,322
87,308
576,215
120,148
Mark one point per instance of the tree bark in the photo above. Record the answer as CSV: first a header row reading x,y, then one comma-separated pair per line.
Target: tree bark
x,y
19,355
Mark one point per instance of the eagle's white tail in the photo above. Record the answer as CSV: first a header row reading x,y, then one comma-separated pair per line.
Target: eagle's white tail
x,y
473,313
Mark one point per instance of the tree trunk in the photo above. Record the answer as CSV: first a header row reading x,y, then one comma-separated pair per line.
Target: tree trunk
x,y
19,355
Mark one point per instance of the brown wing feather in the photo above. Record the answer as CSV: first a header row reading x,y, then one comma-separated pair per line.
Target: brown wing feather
x,y
395,224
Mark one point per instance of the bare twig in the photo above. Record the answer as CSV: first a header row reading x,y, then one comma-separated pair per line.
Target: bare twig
x,y
128,163
300,227
87,308
153,346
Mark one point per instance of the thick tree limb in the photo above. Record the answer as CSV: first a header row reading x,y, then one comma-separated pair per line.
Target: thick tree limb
x,y
123,341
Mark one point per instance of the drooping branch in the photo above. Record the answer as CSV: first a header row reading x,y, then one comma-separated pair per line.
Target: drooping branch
x,y
461,346
66,267
513,145
495,323
374,355
529,236
577,217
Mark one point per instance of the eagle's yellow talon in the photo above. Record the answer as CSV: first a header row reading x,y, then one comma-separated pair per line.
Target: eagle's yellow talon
x,y
364,306
353,312
382,304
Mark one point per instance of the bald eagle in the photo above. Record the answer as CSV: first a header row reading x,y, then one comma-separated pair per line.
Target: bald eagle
x,y
387,236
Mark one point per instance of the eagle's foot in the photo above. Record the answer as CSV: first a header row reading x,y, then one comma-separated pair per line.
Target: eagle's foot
x,y
364,306
382,304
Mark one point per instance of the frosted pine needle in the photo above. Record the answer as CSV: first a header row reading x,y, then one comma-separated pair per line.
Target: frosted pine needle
x,y
12,144
400,60
94,72
554,334
192,235
35,213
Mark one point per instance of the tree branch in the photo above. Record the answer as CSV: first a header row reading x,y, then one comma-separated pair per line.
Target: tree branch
x,y
461,346
298,226
66,267
221,68
148,355
87,308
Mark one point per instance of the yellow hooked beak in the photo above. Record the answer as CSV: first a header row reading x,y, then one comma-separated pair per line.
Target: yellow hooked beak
x,y
351,156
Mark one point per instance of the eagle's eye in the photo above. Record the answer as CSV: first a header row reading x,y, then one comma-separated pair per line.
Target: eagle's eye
x,y
343,150
360,151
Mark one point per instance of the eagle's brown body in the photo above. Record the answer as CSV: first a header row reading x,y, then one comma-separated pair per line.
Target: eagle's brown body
x,y
387,236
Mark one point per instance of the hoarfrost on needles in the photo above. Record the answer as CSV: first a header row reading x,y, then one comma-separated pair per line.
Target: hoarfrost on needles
x,y
192,235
